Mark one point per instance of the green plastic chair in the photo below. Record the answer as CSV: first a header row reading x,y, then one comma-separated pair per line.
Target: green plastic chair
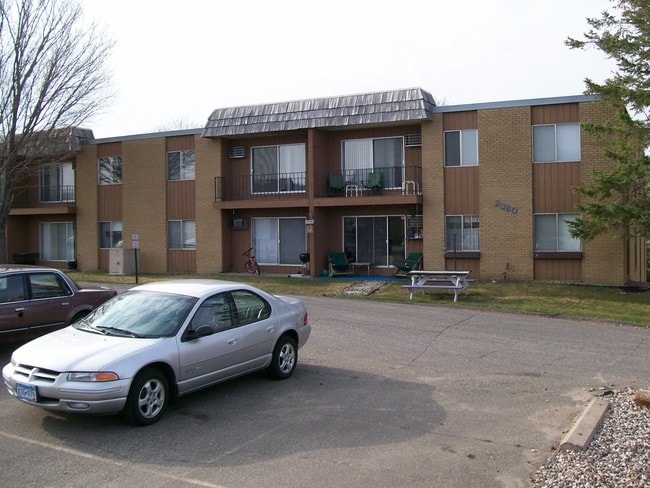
x,y
412,262
338,264
335,184
375,182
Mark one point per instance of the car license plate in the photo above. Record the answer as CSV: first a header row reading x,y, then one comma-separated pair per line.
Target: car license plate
x,y
26,392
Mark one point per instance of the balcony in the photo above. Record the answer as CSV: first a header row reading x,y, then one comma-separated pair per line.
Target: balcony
x,y
357,183
39,199
367,182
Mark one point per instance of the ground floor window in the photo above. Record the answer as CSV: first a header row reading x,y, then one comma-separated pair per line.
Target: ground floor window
x,y
552,233
181,234
57,241
378,240
279,240
462,233
110,235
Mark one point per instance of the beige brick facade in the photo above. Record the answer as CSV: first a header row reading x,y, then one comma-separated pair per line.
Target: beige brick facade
x,y
502,187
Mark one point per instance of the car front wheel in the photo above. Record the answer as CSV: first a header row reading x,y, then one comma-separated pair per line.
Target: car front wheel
x,y
285,358
148,397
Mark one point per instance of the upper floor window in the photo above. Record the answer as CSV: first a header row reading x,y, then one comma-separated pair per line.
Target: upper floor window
x,y
278,168
462,233
461,147
383,157
181,234
556,143
552,233
180,165
110,235
109,170
57,183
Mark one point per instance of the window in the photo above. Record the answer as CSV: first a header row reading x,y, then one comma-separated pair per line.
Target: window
x,y
364,156
279,240
57,241
215,312
461,147
110,235
462,233
250,307
180,165
57,183
181,234
278,168
556,142
377,240
109,170
47,285
12,289
552,233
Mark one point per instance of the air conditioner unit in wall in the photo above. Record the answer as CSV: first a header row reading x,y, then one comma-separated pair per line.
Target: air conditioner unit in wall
x,y
413,140
236,152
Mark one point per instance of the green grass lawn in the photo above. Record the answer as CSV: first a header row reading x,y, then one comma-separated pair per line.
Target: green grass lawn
x,y
597,302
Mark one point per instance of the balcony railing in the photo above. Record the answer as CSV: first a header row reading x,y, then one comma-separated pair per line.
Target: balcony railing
x,y
43,196
371,181
279,185
351,182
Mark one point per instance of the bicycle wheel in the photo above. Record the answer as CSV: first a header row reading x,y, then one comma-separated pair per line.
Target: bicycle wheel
x,y
252,267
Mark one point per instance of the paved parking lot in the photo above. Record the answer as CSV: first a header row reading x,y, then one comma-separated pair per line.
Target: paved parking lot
x,y
384,395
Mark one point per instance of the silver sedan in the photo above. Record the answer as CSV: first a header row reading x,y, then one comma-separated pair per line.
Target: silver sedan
x,y
156,341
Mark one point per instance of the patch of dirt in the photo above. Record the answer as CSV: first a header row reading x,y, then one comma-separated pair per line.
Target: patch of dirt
x,y
363,287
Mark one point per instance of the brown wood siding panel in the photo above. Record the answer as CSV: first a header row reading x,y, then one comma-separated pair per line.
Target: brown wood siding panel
x,y
460,120
109,149
471,265
461,191
181,261
181,200
552,183
554,114
179,143
109,203
558,269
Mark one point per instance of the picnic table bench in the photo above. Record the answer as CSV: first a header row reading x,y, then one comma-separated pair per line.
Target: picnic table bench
x,y
444,280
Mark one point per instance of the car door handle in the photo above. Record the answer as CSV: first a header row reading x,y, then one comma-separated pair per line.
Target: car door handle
x,y
65,304
19,309
232,341
270,328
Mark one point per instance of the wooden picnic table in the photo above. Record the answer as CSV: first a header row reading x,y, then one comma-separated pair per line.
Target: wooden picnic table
x,y
438,280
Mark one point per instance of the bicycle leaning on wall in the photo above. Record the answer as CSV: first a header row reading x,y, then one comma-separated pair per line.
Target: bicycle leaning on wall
x,y
251,264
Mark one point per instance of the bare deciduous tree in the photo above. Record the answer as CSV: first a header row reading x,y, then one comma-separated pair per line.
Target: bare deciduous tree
x,y
53,77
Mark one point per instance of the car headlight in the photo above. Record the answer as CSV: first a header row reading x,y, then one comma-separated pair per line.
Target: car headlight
x,y
98,376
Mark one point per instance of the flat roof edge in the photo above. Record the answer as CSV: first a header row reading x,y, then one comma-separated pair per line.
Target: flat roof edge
x,y
516,103
146,135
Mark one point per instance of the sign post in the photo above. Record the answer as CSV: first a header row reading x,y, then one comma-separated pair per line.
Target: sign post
x,y
135,243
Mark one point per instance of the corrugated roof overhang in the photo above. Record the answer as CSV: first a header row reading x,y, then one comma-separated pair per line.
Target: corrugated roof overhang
x,y
407,105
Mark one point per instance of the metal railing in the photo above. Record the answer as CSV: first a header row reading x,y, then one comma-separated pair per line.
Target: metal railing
x,y
43,196
360,182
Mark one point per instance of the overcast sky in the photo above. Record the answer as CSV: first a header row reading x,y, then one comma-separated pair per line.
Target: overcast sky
x,y
176,61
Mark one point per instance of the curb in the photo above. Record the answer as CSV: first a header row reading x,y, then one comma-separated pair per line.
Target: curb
x,y
583,431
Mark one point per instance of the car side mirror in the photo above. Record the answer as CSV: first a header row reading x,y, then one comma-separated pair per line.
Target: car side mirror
x,y
200,331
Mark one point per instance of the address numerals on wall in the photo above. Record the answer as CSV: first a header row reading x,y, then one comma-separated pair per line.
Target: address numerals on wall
x,y
505,207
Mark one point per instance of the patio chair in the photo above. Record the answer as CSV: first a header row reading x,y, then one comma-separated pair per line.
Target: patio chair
x,y
375,182
335,184
338,264
412,262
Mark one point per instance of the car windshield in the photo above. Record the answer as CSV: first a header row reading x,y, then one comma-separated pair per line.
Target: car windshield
x,y
139,314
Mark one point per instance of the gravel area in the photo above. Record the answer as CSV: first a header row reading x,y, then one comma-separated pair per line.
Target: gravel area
x,y
618,455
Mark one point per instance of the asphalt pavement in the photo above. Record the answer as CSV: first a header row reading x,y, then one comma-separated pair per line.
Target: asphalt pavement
x,y
385,395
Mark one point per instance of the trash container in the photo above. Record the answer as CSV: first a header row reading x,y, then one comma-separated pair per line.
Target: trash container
x,y
25,257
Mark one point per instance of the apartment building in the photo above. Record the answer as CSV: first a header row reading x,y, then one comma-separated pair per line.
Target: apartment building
x,y
483,187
